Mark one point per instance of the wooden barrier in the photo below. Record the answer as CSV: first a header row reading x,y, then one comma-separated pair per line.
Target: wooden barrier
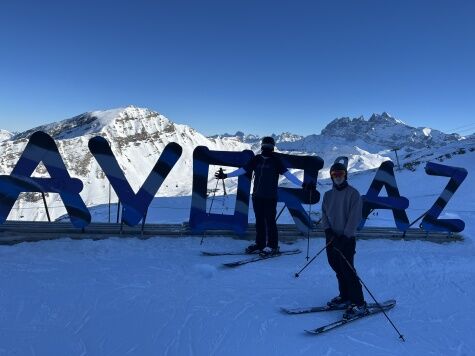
x,y
12,232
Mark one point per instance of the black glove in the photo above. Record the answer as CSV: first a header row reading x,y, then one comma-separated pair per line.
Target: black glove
x,y
341,242
220,175
329,234
345,238
337,243
309,185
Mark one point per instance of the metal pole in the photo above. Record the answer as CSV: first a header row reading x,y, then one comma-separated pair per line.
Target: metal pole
x,y
46,206
118,211
397,158
121,220
143,222
109,220
419,218
278,215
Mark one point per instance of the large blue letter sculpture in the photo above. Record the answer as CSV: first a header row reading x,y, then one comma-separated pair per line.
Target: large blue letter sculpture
x,y
42,148
371,201
457,176
200,220
294,197
135,205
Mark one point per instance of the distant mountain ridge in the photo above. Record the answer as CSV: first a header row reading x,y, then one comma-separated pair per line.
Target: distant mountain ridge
x,y
254,140
387,131
139,135
381,131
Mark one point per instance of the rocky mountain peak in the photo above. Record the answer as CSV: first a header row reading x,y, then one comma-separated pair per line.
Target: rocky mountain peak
x,y
127,121
5,135
385,131
384,118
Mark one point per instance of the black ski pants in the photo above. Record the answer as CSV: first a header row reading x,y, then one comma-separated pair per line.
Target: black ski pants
x,y
348,283
265,210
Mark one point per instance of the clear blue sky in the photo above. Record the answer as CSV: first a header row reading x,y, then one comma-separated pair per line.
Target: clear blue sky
x,y
226,65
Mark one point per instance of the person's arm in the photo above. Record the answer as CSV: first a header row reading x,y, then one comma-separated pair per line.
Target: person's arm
x,y
292,178
356,212
326,226
325,222
285,172
236,173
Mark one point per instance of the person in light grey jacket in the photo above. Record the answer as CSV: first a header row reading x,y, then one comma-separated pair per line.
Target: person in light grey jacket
x,y
342,213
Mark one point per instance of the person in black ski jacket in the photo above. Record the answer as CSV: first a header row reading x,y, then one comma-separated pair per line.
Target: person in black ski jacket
x,y
266,167
342,213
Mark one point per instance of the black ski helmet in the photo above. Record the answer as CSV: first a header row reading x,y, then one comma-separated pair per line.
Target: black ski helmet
x,y
338,167
268,143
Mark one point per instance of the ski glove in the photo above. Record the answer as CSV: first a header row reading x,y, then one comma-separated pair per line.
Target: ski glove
x,y
341,242
220,175
329,234
345,239
309,185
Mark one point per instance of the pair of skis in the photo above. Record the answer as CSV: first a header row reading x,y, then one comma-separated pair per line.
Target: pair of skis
x,y
255,256
373,308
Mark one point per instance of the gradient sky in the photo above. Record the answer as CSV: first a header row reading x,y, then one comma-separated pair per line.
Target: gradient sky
x,y
226,65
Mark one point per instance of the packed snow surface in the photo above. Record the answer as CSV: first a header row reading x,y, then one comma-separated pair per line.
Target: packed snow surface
x,y
161,297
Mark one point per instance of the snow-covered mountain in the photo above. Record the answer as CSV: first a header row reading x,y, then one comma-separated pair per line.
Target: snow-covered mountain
x,y
138,136
381,132
387,132
366,143
5,135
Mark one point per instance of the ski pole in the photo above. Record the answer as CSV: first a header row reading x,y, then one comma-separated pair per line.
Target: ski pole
x,y
309,222
224,185
214,195
225,195
212,200
371,294
280,212
309,262
419,218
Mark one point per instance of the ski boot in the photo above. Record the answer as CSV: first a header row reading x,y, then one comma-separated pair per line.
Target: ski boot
x,y
355,310
268,251
253,249
338,303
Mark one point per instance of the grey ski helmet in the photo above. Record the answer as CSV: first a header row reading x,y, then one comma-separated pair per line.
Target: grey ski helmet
x,y
338,167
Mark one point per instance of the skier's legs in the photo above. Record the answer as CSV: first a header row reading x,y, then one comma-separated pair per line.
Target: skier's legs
x,y
334,260
350,281
270,213
259,212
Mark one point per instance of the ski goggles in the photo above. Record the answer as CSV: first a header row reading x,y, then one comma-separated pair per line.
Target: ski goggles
x,y
337,174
